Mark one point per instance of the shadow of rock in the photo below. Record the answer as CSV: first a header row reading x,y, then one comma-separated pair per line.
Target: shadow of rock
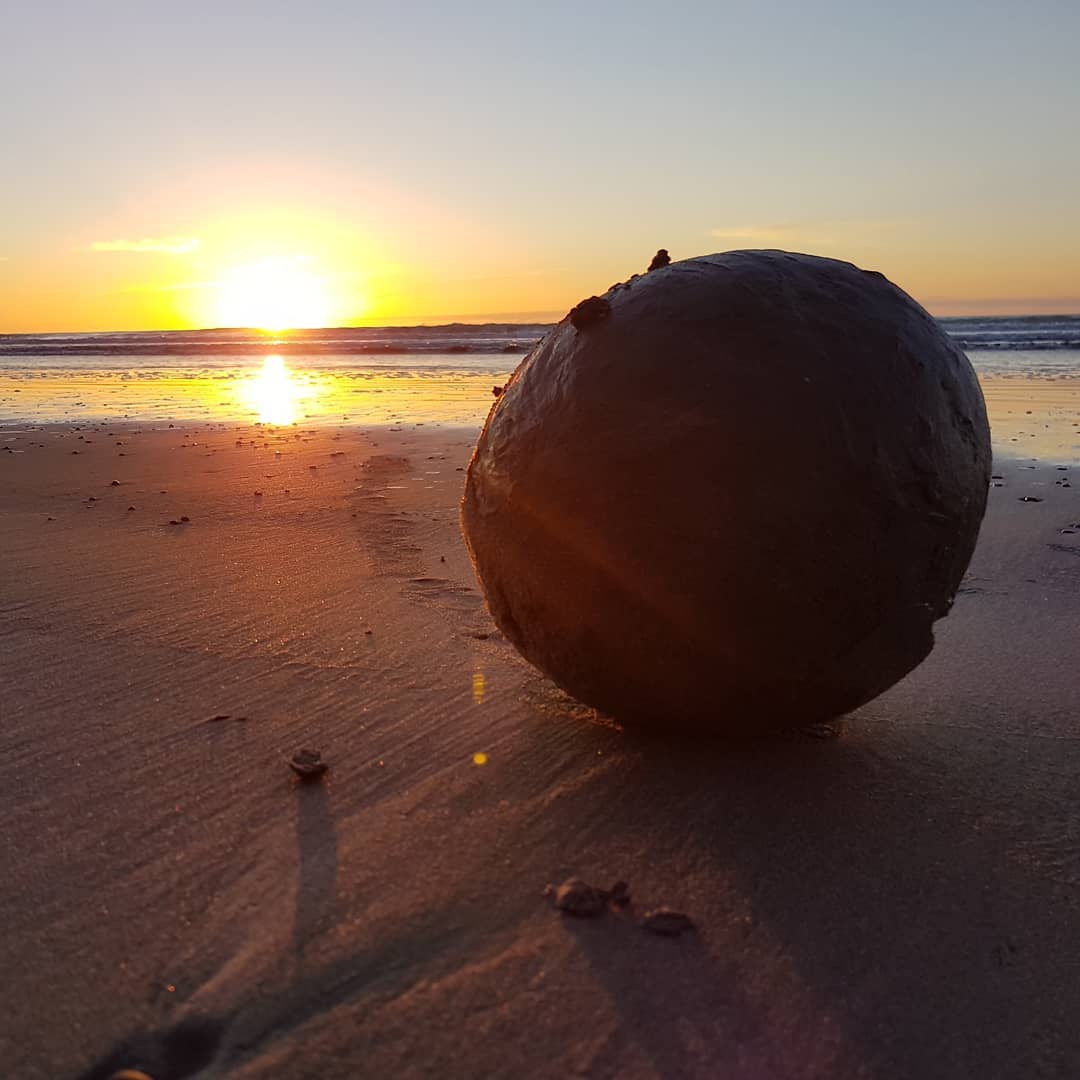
x,y
173,1053
684,1007
887,888
316,840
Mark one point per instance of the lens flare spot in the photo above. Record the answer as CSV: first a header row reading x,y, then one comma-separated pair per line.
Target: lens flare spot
x,y
479,758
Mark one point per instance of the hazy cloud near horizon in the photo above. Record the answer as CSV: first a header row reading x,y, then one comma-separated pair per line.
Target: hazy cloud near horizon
x,y
818,232
155,245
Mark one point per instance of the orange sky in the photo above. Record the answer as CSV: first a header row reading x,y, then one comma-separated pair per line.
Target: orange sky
x,y
208,165
285,266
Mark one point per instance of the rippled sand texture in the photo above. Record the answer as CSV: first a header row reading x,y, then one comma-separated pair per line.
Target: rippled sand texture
x,y
891,896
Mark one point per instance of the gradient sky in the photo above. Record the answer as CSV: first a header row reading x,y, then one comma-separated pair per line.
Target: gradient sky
x,y
429,161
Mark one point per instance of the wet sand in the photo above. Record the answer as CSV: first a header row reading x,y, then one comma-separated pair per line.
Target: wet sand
x,y
895,896
292,394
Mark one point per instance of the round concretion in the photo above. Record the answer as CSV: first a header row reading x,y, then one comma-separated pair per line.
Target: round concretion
x,y
734,493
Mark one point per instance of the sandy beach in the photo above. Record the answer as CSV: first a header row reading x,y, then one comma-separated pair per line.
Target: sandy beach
x,y
281,797
895,896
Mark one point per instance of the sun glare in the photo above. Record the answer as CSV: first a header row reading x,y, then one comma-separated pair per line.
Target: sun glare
x,y
278,293
274,393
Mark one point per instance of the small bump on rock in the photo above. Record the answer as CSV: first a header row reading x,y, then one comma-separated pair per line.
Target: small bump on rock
x,y
589,312
660,260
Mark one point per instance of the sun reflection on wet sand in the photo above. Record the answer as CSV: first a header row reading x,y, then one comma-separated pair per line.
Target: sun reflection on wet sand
x,y
1029,417
275,393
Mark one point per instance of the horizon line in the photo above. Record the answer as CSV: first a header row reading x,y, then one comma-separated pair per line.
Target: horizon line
x,y
516,318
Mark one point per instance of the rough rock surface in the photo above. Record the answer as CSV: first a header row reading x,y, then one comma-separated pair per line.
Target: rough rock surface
x,y
737,502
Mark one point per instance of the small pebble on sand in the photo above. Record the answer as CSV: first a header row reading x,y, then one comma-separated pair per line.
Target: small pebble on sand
x,y
666,922
576,897
308,764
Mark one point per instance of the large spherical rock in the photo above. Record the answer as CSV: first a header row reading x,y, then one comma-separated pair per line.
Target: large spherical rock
x,y
735,496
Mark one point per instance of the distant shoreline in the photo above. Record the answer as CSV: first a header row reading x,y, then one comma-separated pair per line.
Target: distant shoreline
x,y
1026,332
543,321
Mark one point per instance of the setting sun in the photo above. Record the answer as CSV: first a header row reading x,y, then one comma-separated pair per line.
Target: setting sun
x,y
278,293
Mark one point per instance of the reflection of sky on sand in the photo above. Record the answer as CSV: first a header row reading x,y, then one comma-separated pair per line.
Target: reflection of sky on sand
x,y
270,389
1030,417
1034,418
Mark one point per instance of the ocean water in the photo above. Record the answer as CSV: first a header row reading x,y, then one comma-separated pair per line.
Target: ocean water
x,y
443,374
1027,345
462,346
